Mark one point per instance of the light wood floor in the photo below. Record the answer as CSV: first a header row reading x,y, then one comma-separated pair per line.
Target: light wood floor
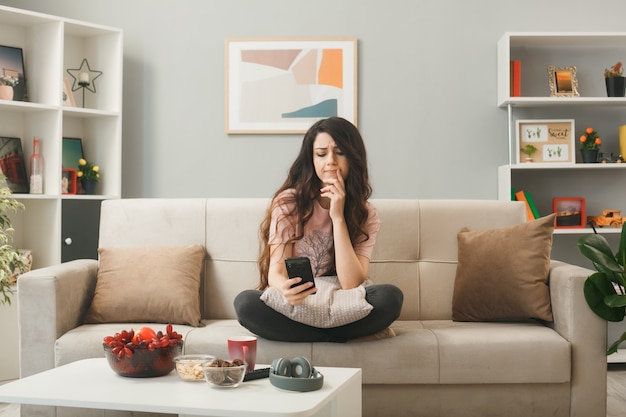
x,y
616,390
616,394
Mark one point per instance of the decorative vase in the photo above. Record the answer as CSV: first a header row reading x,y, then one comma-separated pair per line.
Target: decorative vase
x,y
589,156
6,92
615,86
89,187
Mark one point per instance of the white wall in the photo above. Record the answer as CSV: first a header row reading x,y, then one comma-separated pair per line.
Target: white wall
x,y
427,87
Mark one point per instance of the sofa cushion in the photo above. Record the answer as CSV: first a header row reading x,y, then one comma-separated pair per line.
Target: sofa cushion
x,y
502,273
447,352
148,284
423,352
500,353
331,306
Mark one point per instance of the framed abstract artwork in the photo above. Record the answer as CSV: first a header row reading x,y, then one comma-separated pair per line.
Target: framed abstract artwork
x,y
284,85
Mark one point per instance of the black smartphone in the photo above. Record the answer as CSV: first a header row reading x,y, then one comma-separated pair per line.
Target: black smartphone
x,y
300,267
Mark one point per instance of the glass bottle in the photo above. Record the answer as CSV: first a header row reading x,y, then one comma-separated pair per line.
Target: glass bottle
x,y
36,169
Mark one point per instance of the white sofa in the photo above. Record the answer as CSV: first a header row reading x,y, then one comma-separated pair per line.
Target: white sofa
x,y
433,367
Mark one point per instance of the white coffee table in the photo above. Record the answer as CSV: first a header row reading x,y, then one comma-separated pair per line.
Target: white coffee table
x,y
90,383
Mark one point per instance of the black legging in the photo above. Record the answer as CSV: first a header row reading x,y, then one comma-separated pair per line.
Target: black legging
x,y
264,321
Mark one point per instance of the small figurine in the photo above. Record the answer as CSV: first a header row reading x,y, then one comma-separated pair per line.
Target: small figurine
x,y
609,157
609,217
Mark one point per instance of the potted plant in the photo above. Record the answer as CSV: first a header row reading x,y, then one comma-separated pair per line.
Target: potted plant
x,y
88,174
590,145
605,289
614,79
12,261
6,86
529,150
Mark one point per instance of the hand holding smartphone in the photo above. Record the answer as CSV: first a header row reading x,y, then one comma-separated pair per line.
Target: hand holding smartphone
x,y
300,267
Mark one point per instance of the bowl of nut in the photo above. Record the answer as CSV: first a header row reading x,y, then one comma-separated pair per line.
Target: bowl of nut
x,y
143,353
189,367
220,373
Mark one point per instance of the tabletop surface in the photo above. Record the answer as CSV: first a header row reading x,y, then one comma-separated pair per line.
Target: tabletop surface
x,y
91,383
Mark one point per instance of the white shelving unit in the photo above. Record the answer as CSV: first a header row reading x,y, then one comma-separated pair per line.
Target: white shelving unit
x,y
600,184
50,46
590,53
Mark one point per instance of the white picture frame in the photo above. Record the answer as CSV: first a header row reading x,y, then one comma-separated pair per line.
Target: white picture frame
x,y
284,85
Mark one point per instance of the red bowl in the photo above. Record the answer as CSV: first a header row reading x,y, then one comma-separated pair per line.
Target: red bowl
x,y
144,363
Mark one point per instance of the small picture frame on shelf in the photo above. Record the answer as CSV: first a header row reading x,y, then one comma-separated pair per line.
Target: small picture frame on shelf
x,y
570,212
563,82
546,141
12,72
13,165
68,181
72,151
68,96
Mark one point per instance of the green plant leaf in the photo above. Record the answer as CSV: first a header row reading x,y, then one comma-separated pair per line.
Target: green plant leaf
x,y
613,348
620,256
617,300
597,287
596,248
622,245
605,290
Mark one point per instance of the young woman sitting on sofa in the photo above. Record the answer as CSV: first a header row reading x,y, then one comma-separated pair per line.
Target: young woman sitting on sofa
x,y
321,212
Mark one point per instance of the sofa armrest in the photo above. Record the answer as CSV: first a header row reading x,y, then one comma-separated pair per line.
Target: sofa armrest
x,y
587,334
51,301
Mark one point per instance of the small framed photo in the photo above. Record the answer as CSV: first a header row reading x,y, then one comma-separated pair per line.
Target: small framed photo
x,y
12,70
13,166
68,96
72,152
550,141
68,181
570,212
284,85
563,82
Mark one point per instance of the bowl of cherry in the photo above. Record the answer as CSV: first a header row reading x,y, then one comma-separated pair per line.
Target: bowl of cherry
x,y
144,353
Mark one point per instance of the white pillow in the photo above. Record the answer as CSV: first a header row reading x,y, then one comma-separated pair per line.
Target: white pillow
x,y
329,307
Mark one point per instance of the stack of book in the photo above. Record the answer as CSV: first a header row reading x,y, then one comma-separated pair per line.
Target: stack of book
x,y
531,208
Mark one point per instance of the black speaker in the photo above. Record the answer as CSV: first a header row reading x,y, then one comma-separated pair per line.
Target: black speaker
x,y
296,374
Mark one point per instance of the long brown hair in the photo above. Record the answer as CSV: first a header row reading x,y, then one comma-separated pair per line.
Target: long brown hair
x,y
306,185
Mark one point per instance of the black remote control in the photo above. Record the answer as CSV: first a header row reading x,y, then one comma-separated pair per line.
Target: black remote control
x,y
257,374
